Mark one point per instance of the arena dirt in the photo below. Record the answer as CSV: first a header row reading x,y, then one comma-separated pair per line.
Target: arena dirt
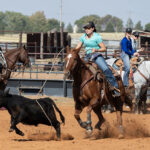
x,y
136,129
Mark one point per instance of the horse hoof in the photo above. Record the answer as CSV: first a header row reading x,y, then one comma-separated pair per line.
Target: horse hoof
x,y
89,132
11,130
121,136
108,111
21,134
83,124
141,113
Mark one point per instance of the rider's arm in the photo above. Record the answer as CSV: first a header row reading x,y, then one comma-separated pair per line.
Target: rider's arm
x,y
124,47
102,47
78,47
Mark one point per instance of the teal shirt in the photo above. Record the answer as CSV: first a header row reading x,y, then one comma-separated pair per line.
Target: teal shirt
x,y
93,42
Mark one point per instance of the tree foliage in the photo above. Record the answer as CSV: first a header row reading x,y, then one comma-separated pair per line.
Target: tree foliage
x,y
2,23
69,28
147,27
95,18
129,23
138,26
109,27
37,22
15,21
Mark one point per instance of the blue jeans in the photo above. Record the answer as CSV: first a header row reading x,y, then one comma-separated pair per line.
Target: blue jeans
x,y
100,61
126,61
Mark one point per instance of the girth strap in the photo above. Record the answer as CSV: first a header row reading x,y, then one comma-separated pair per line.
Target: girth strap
x,y
86,81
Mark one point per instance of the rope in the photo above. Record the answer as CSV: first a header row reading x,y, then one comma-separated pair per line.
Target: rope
x,y
44,85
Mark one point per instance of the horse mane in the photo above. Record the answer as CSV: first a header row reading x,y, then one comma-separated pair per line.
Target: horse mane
x,y
9,52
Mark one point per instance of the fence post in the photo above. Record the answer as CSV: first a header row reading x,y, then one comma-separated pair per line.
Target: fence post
x,y
20,39
41,46
64,87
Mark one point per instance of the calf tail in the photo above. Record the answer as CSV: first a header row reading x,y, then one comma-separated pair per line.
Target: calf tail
x,y
60,113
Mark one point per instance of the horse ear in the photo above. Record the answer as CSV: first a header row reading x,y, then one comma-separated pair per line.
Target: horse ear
x,y
77,50
6,92
67,49
24,46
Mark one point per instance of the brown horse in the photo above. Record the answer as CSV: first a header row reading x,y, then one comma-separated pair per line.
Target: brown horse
x,y
12,57
87,92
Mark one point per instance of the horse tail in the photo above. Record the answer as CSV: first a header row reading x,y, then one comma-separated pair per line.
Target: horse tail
x,y
60,113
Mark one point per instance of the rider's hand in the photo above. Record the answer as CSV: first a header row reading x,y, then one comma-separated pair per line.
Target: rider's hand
x,y
142,49
93,50
136,54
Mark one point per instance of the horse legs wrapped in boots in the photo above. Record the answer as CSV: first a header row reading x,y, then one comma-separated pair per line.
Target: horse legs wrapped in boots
x,y
77,116
119,121
89,128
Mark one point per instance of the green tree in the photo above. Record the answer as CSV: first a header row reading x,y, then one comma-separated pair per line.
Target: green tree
x,y
2,23
15,21
53,24
105,20
69,28
138,26
147,27
117,24
38,22
85,19
109,27
129,23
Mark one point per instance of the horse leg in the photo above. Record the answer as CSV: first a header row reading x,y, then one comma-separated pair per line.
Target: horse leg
x,y
119,122
97,111
144,98
137,100
119,107
77,113
89,122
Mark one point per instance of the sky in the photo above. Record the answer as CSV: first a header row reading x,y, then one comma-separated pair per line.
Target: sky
x,y
72,10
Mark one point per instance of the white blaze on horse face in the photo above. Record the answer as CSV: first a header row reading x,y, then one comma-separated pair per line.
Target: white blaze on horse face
x,y
69,56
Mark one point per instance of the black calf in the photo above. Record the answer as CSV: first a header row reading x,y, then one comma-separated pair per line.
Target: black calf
x,y
27,111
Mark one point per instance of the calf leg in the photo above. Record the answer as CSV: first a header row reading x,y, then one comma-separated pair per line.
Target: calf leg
x,y
57,128
14,122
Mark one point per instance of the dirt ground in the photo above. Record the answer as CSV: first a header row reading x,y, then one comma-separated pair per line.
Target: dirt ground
x,y
136,128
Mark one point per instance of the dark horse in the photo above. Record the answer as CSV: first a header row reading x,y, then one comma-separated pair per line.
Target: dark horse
x,y
12,57
87,92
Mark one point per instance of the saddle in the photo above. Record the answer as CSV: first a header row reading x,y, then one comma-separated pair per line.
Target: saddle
x,y
135,61
95,70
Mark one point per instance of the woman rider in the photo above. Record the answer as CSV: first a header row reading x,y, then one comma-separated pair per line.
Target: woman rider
x,y
127,52
93,46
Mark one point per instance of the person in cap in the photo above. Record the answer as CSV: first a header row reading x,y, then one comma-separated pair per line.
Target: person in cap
x,y
94,45
127,52
134,38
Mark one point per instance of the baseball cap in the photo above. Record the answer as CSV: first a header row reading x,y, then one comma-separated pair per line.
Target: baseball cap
x,y
128,30
90,24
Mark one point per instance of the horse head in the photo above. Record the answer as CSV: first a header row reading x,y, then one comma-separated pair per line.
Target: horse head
x,y
23,57
71,61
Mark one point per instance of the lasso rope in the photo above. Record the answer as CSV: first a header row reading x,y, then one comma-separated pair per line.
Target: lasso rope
x,y
44,85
